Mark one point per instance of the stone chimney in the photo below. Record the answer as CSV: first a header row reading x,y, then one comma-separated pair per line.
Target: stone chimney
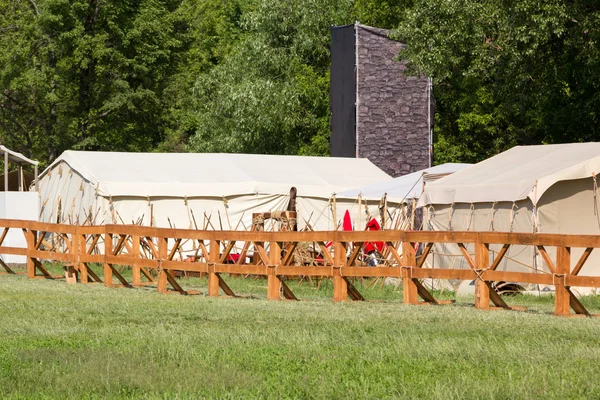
x,y
377,112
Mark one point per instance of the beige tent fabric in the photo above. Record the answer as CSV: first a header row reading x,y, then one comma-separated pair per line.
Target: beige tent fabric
x,y
405,187
177,190
517,174
571,207
215,175
500,217
562,201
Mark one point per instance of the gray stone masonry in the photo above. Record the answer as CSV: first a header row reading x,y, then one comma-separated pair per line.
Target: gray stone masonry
x,y
392,125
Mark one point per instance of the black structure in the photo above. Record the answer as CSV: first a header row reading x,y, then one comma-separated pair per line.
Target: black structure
x,y
342,92
378,112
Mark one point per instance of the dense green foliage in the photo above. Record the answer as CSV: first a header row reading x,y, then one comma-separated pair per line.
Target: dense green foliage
x,y
87,74
270,95
253,75
507,72
87,341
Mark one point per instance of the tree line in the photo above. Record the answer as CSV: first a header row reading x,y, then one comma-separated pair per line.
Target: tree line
x,y
253,75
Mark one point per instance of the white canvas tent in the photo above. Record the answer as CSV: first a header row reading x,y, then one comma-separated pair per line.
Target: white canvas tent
x,y
548,189
406,187
185,190
398,196
15,201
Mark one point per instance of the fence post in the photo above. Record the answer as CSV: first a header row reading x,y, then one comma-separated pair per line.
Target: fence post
x,y
562,300
273,281
82,250
482,263
30,235
72,270
213,258
108,275
135,266
340,287
409,288
163,244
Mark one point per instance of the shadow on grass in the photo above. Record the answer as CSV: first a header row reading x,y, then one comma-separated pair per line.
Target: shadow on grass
x,y
320,289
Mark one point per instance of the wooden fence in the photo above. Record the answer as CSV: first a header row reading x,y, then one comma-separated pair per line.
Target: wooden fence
x,y
154,254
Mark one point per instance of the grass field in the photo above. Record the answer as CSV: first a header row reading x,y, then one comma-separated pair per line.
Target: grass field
x,y
76,341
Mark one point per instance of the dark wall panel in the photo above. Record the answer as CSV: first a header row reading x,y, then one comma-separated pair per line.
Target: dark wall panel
x,y
342,92
393,109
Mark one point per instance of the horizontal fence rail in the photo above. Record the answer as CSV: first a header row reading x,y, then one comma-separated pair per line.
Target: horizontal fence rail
x,y
157,255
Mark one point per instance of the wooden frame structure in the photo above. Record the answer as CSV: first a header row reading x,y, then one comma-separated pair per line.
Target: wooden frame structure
x,y
145,249
18,159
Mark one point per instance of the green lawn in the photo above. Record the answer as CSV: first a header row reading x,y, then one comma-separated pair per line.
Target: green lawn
x,y
87,341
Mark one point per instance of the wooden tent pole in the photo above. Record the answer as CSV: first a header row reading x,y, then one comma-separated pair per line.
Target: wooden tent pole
x,y
21,179
335,223
358,225
412,216
6,171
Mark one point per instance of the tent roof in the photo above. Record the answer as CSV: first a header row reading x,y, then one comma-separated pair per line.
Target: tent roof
x,y
16,158
216,175
516,174
408,186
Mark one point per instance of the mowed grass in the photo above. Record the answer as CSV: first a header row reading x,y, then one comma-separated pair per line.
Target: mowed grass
x,y
88,341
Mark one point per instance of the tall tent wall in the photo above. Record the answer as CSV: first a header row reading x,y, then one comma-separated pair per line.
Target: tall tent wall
x,y
567,207
227,213
67,197
235,212
483,217
571,207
